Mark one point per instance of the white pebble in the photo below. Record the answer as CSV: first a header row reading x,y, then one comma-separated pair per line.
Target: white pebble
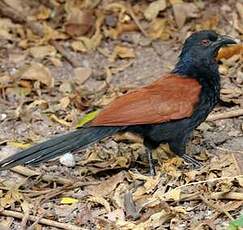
x,y
67,160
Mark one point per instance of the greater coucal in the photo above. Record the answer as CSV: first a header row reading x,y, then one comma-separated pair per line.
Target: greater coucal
x,y
166,111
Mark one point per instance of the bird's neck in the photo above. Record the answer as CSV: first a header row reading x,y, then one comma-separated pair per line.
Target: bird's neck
x,y
203,70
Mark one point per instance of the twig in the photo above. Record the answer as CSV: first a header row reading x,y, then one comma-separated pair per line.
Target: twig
x,y
32,227
224,115
215,195
209,181
215,206
136,21
41,221
25,219
48,178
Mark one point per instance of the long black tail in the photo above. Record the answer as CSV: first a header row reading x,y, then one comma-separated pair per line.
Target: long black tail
x,y
59,145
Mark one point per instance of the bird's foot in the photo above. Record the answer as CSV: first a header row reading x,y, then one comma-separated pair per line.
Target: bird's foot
x,y
190,160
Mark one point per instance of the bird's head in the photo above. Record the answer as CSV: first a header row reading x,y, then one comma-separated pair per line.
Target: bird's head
x,y
201,49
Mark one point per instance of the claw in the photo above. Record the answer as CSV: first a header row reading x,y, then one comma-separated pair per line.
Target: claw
x,y
196,164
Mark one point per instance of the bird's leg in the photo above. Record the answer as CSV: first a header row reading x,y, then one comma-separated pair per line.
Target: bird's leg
x,y
151,162
150,145
179,148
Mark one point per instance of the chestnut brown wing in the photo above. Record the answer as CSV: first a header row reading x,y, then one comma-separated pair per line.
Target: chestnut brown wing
x,y
169,98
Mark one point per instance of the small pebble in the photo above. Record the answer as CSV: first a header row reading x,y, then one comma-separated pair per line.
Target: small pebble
x,y
3,116
67,160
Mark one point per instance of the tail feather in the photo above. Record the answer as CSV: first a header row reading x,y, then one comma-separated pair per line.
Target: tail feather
x,y
57,146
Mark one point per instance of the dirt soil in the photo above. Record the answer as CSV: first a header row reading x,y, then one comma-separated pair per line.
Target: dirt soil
x,y
61,60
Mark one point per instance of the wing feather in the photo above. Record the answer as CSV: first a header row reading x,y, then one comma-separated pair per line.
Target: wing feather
x,y
169,98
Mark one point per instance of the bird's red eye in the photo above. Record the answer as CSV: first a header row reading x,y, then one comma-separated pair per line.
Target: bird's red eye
x,y
205,42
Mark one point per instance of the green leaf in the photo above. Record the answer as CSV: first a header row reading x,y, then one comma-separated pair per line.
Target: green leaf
x,y
86,118
68,200
236,224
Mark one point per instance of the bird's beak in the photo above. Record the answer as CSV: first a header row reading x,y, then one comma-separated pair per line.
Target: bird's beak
x,y
223,40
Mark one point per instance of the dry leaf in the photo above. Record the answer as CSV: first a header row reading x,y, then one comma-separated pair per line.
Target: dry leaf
x,y
64,102
210,23
121,28
78,46
102,201
154,8
184,10
93,42
173,194
115,215
157,29
15,4
228,52
81,74
42,13
79,22
38,72
19,145
122,52
53,117
6,27
239,7
107,186
66,87
42,51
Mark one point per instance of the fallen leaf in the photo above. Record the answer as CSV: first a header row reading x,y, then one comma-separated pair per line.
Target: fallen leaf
x,y
121,28
53,117
122,52
6,27
229,51
239,7
42,51
64,102
173,194
69,200
82,74
100,200
153,9
86,118
115,215
42,13
66,87
210,23
78,46
184,10
158,30
107,186
79,22
19,145
15,4
38,72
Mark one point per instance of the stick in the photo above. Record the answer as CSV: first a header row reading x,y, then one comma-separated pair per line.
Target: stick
x,y
136,21
41,221
215,206
48,178
224,115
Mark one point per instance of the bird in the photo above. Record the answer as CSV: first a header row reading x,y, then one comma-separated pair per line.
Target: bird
x,y
165,111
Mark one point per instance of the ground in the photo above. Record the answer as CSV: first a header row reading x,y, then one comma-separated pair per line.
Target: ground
x,y
62,60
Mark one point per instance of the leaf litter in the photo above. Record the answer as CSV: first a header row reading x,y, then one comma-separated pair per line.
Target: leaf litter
x,y
61,62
